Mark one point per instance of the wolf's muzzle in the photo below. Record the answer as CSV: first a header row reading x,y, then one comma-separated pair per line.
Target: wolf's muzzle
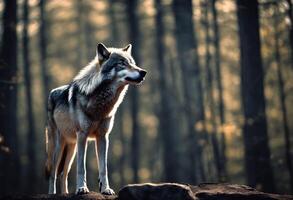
x,y
142,73
138,79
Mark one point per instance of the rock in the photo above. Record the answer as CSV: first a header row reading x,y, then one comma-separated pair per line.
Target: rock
x,y
210,191
170,191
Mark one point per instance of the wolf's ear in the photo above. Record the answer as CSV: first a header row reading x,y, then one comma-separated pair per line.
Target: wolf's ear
x,y
102,52
128,48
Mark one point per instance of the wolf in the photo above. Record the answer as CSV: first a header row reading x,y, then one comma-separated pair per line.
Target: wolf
x,y
84,110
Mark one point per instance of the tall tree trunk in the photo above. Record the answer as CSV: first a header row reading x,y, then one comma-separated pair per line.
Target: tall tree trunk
x,y
115,40
209,85
134,37
217,58
80,24
257,151
186,44
9,158
290,15
43,50
31,140
88,32
282,97
166,116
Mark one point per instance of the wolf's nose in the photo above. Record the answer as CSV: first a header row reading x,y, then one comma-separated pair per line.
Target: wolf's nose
x,y
142,73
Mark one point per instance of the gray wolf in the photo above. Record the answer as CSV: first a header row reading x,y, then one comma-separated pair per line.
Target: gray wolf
x,y
84,110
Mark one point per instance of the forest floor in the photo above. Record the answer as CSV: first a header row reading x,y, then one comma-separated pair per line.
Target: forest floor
x,y
170,191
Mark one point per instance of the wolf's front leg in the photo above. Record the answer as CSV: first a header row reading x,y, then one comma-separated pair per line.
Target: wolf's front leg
x,y
81,186
102,144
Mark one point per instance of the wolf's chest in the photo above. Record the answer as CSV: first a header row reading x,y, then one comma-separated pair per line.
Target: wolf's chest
x,y
101,104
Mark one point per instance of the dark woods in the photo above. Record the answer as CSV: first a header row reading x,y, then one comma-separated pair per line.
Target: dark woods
x,y
216,106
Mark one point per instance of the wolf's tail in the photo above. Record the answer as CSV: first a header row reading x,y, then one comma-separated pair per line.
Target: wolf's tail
x,y
50,138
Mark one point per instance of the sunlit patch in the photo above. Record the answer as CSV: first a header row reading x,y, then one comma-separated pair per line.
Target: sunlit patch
x,y
5,149
117,148
1,139
199,126
144,174
150,122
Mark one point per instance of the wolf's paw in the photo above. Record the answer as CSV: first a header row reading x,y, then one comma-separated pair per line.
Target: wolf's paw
x,y
82,190
108,191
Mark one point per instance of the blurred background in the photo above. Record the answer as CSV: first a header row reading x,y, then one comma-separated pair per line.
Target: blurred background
x,y
216,105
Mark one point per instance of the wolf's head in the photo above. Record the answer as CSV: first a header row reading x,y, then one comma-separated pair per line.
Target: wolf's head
x,y
118,65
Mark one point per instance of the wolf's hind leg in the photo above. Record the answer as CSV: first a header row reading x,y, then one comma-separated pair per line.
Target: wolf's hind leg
x,y
58,151
70,154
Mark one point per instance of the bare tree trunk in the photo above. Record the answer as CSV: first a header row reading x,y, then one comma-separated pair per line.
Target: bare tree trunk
x,y
115,40
282,97
166,116
217,58
257,151
31,139
210,98
290,15
43,50
134,35
186,44
88,32
80,25
9,154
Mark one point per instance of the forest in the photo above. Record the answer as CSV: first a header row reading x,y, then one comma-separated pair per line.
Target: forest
x,y
216,104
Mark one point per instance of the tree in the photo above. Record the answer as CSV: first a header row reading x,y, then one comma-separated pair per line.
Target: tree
x,y
80,33
43,40
134,36
290,15
167,124
210,89
217,58
186,45
257,152
8,94
31,140
115,40
282,96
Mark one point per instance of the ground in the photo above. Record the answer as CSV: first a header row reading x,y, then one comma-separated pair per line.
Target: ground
x,y
170,191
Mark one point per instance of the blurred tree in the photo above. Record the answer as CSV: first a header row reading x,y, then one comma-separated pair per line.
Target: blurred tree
x,y
115,41
257,151
209,88
290,15
282,95
217,59
134,37
43,37
8,102
79,6
31,138
88,31
167,124
186,45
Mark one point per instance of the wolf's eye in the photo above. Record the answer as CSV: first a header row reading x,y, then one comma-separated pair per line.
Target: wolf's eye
x,y
123,62
120,67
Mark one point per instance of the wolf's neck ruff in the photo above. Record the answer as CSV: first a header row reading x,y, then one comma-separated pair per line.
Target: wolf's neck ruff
x,y
104,96
89,77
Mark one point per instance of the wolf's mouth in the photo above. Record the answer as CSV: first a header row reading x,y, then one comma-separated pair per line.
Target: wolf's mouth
x,y
135,80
